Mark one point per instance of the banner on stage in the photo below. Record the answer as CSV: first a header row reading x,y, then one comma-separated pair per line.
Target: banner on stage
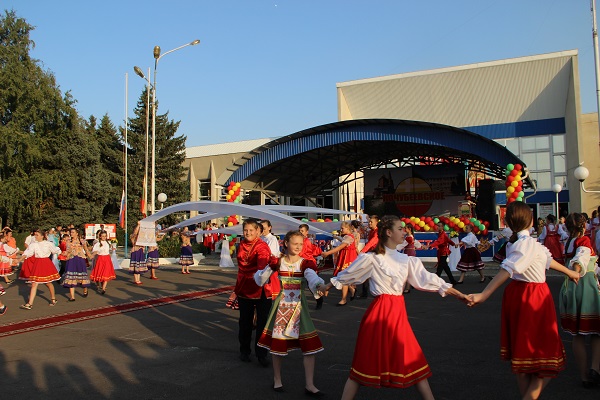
x,y
147,234
92,229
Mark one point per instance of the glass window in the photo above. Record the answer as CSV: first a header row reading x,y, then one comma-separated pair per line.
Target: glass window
x,y
203,190
560,166
530,160
561,180
558,143
543,180
513,145
528,143
542,142
543,160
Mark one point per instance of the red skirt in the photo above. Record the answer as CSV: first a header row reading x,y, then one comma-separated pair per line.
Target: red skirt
x,y
346,256
26,268
557,249
103,270
529,330
43,270
387,352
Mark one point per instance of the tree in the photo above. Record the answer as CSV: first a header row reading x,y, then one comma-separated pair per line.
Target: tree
x,y
50,169
170,156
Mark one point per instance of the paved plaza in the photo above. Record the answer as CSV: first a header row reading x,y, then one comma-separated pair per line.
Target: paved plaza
x,y
174,339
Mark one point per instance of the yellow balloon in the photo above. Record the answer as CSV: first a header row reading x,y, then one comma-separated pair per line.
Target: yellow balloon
x,y
230,224
231,250
514,184
510,189
426,228
465,229
461,224
421,223
228,197
320,220
237,185
231,192
417,220
412,218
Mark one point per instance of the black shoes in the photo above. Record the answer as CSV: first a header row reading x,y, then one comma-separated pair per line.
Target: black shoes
x,y
319,303
245,357
279,389
317,395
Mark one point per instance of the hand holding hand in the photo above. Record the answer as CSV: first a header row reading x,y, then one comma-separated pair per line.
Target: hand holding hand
x,y
474,299
574,276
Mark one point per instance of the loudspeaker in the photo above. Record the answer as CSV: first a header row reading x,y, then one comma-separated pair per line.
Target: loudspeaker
x,y
486,203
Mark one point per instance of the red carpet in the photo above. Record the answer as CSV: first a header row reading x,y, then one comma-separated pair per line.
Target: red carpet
x,y
76,316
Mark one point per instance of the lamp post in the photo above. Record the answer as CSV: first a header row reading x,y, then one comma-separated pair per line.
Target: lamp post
x,y
162,197
158,56
581,173
139,72
557,189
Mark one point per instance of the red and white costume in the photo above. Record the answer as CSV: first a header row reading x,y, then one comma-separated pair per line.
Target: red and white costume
x,y
551,237
103,267
42,269
5,261
346,255
529,329
387,352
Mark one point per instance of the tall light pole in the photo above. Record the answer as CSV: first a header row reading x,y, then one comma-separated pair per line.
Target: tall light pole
x,y
158,56
581,173
139,72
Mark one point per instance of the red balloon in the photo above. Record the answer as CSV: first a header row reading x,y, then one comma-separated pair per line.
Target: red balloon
x,y
518,167
485,231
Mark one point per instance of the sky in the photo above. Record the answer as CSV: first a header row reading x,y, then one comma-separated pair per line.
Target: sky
x,y
266,69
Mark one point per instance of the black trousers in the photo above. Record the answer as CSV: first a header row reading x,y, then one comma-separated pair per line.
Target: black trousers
x,y
246,322
443,266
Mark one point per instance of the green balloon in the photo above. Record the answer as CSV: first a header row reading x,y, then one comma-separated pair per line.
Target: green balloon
x,y
510,167
402,224
519,199
436,220
334,220
234,236
446,228
304,219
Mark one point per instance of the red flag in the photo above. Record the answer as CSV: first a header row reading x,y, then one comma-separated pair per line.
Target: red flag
x,y
143,205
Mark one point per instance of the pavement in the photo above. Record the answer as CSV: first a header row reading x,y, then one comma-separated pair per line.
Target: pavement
x,y
189,349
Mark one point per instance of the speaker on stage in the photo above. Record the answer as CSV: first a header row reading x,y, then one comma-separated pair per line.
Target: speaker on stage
x,y
486,203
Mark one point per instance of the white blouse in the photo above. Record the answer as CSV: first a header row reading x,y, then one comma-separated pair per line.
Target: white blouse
x,y
262,276
561,232
273,243
527,260
470,240
9,250
387,274
103,250
505,233
41,249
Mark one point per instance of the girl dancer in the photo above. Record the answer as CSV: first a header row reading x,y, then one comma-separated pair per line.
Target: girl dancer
x,y
187,256
76,273
347,250
551,236
153,257
27,263
103,268
6,268
505,233
580,303
137,262
42,270
289,326
527,306
471,259
385,340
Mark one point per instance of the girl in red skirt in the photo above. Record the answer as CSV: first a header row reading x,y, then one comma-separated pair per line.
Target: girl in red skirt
x,y
471,258
103,268
552,237
527,306
387,352
347,254
42,269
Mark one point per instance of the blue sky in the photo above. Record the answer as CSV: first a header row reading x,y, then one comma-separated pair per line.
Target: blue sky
x,y
269,68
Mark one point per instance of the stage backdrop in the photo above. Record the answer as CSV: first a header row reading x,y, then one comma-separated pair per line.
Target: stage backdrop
x,y
414,191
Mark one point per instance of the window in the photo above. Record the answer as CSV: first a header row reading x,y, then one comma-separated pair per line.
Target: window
x,y
558,143
543,180
537,161
204,190
560,166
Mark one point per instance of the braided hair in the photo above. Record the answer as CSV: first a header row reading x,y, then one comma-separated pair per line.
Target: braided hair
x,y
386,223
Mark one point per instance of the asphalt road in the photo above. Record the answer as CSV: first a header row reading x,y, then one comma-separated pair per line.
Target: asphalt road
x,y
189,349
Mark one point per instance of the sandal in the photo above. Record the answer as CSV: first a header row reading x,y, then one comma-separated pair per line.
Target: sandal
x,y
73,299
53,302
26,306
85,293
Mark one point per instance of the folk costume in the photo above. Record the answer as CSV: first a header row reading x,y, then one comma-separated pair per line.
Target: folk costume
x,y
273,243
505,233
551,237
251,257
187,255
442,244
76,273
579,303
526,262
289,326
471,258
27,266
6,252
387,352
103,267
152,259
346,255
41,268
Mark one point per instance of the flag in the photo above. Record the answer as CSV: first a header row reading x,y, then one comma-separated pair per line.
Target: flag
x,y
143,205
122,211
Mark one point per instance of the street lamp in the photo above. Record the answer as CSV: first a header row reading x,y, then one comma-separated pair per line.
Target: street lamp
x,y
557,189
581,173
162,197
139,72
158,56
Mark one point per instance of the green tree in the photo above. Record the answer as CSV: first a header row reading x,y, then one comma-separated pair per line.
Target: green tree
x,y
50,169
170,156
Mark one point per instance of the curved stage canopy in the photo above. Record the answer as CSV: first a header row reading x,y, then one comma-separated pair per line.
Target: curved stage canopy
x,y
306,162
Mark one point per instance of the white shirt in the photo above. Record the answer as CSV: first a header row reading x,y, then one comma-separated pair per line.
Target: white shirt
x,y
527,260
470,240
41,249
103,250
505,233
561,233
273,243
387,274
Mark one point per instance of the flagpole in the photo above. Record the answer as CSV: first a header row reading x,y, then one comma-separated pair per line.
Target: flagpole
x,y
125,162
